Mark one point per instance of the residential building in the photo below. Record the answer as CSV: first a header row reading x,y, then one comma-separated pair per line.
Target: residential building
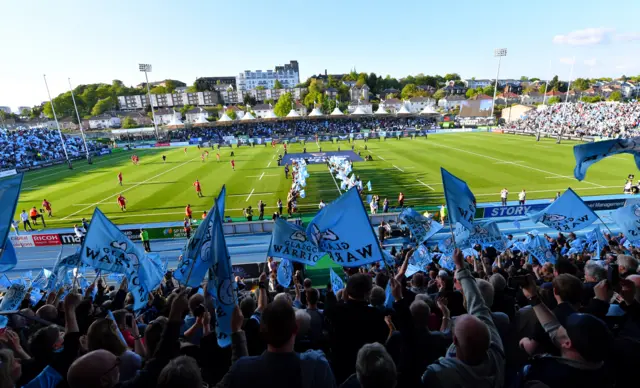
x,y
210,83
417,104
325,77
481,96
451,101
166,116
513,88
392,105
262,95
104,120
141,118
261,110
231,96
387,92
196,115
507,98
452,88
288,75
160,83
366,107
359,93
68,124
136,102
5,109
554,93
21,108
478,83
427,88
331,92
41,123
301,109
628,90
531,98
140,101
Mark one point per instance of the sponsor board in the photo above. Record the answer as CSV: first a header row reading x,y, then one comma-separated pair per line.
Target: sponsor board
x,y
511,211
105,151
7,173
143,146
194,141
179,143
163,144
24,241
41,240
69,238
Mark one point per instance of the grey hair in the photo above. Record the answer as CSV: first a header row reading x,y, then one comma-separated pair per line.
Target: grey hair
x,y
628,262
498,282
443,274
595,271
424,297
375,367
420,312
283,296
487,291
303,319
377,296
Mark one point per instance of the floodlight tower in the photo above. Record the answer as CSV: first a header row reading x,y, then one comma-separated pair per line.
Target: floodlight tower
x,y
501,52
146,68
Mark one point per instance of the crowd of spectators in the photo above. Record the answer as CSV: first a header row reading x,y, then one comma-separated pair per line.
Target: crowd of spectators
x,y
29,147
606,119
501,320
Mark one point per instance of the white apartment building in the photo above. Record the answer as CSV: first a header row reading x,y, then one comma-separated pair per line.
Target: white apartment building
x,y
391,105
477,83
288,76
196,115
366,107
104,121
262,110
140,101
417,104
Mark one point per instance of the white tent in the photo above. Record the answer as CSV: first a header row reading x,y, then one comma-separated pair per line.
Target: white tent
x,y
315,112
224,117
175,120
271,115
428,110
293,113
381,110
337,112
201,118
403,110
358,111
247,116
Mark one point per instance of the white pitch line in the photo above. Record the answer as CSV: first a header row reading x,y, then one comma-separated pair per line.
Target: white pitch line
x,y
129,188
559,177
269,165
242,195
513,163
250,194
261,176
381,158
401,170
432,189
334,181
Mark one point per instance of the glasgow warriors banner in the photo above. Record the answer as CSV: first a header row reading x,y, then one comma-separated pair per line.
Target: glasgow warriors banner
x,y
486,234
290,242
461,202
628,219
590,153
420,226
566,214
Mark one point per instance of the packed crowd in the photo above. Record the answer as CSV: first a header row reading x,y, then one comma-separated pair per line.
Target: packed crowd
x,y
29,147
607,119
499,321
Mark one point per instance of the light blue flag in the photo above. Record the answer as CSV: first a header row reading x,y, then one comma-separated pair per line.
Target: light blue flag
x,y
486,234
343,230
107,248
285,271
596,240
13,298
420,226
411,270
194,265
115,277
35,296
628,219
291,242
470,252
388,299
336,281
516,223
4,282
539,248
447,262
421,257
566,214
224,288
28,275
9,192
369,186
42,279
8,258
118,332
590,153
461,202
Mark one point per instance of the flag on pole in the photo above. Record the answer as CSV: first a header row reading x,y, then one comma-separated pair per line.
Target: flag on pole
x,y
461,202
336,281
284,273
539,248
628,219
420,226
487,234
589,153
291,242
566,214
9,193
107,248
343,230
8,258
596,240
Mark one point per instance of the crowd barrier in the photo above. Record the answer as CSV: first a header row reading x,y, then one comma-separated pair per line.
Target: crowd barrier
x,y
589,139
155,233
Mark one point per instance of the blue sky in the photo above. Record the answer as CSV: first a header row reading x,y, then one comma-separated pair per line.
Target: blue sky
x,y
92,41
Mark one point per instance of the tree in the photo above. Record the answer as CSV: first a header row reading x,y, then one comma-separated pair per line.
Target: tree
x,y
439,94
615,96
170,85
158,90
129,122
372,81
185,109
25,112
314,95
277,85
103,105
248,99
260,87
269,101
36,111
534,79
408,91
283,106
231,113
471,93
542,89
524,78
553,100
192,89
488,90
554,82
362,79
452,77
580,84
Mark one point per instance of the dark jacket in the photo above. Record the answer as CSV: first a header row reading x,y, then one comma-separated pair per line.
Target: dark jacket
x,y
557,372
504,303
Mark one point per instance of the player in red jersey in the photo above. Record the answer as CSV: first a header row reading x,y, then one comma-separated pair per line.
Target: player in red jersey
x,y
273,144
207,152
202,157
133,159
185,150
233,164
122,202
196,184
120,178
218,156
187,211
285,146
47,206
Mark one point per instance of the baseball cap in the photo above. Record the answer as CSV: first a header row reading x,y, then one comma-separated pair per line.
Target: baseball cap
x,y
589,336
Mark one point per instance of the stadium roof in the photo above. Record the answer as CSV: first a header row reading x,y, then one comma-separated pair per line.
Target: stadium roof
x,y
315,112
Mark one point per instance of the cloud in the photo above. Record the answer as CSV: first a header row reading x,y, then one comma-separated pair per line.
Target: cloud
x,y
585,37
627,36
590,62
567,60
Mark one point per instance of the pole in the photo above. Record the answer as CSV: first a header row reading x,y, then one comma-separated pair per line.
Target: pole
x,y
566,100
55,117
153,113
84,140
495,89
546,88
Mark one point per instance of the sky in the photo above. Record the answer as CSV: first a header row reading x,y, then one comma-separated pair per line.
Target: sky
x,y
91,41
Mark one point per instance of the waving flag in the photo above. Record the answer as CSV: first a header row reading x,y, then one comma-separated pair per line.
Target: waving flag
x,y
566,214
486,234
223,285
41,280
195,262
343,230
8,258
291,242
628,219
420,226
336,281
590,153
596,240
107,248
285,271
539,248
13,298
9,192
4,282
461,202
421,257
